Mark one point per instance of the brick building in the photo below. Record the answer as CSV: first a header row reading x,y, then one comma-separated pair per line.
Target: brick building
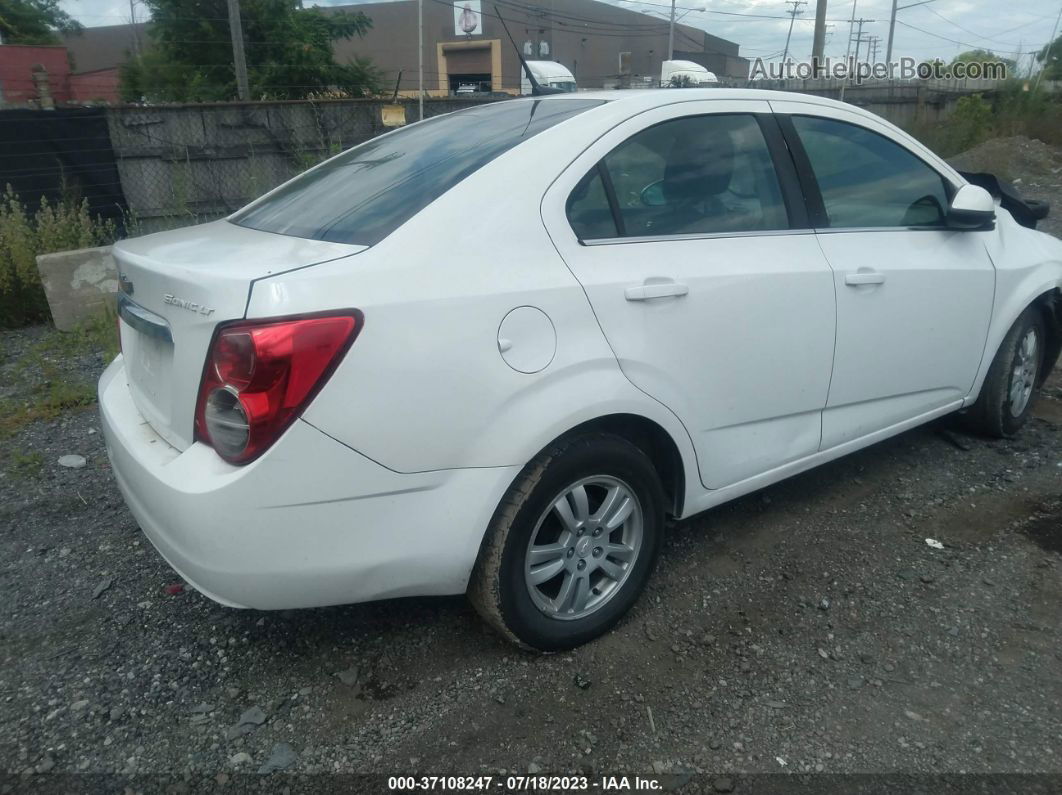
x,y
42,76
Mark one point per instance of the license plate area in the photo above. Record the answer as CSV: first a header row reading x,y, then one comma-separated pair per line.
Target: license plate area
x,y
147,347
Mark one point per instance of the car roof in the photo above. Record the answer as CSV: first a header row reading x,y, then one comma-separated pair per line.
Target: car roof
x,y
651,97
637,100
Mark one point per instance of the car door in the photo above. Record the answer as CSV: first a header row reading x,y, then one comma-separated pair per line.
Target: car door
x,y
914,298
687,231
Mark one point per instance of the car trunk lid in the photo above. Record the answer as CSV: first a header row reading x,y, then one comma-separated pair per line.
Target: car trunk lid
x,y
176,287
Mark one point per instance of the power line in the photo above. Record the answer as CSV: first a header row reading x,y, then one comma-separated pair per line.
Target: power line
x,y
723,13
967,30
952,41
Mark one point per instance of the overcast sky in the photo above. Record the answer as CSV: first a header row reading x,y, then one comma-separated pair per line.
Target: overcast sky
x,y
940,28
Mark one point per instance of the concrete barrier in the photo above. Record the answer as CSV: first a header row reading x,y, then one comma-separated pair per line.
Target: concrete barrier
x,y
77,284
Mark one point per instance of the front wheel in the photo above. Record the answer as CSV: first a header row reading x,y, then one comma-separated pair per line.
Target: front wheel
x,y
1010,388
572,544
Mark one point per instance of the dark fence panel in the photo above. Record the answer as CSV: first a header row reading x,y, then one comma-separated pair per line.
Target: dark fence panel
x,y
61,154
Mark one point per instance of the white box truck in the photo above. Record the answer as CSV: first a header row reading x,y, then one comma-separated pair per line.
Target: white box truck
x,y
682,74
547,73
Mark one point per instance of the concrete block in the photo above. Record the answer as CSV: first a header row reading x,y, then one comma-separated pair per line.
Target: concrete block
x,y
78,284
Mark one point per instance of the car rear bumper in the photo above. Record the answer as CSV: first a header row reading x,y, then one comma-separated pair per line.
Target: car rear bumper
x,y
310,523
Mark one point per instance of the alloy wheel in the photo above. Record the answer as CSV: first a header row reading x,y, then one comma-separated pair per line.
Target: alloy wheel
x,y
584,547
1023,376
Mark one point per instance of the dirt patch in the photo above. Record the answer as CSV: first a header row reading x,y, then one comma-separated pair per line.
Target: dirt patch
x,y
1045,528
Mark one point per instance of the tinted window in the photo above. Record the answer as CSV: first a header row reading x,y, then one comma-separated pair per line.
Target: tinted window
x,y
869,181
696,175
588,209
363,195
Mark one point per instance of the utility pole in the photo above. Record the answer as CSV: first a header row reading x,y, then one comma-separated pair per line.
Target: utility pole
x,y
671,34
420,56
792,18
892,32
859,35
892,23
852,28
132,23
872,46
238,59
818,44
848,53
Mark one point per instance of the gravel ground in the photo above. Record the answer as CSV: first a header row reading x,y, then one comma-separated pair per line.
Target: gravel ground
x,y
808,627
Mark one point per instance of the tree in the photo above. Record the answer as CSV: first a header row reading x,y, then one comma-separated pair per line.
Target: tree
x,y
1051,58
983,56
34,21
288,50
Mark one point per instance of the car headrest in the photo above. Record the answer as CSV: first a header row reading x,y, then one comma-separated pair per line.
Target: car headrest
x,y
698,166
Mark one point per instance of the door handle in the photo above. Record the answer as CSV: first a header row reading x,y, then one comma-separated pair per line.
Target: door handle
x,y
650,290
864,276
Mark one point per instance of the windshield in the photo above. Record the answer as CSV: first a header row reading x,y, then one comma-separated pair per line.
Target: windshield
x,y
364,194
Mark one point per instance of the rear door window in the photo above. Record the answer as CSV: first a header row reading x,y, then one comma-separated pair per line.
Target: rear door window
x,y
695,175
364,194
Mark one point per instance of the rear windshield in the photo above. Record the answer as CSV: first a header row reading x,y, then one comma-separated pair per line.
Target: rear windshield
x,y
363,195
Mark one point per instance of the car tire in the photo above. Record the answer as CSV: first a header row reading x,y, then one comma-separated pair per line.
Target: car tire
x,y
1011,386
572,544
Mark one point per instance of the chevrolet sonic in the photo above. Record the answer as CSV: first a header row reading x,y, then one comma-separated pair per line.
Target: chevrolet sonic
x,y
492,351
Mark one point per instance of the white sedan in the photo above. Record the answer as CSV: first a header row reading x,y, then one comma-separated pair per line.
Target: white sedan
x,y
492,351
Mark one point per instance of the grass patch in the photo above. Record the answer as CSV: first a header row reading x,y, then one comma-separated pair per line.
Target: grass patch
x,y
1011,111
46,404
49,371
26,466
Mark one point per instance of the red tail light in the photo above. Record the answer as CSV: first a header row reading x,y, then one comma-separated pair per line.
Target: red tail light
x,y
260,375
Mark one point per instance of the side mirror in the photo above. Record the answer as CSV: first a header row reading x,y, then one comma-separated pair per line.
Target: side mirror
x,y
652,195
971,208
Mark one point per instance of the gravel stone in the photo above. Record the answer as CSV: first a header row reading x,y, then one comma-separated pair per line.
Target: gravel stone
x,y
349,677
281,758
254,715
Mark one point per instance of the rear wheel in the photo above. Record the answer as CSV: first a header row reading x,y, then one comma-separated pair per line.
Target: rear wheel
x,y
1010,388
572,544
